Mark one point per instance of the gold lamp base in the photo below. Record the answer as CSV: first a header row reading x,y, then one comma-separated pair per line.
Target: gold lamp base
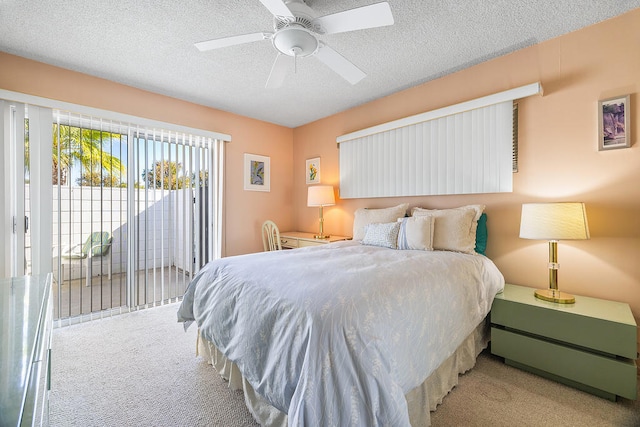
x,y
321,236
554,295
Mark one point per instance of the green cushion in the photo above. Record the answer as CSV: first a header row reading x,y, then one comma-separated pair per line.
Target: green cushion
x,y
99,244
481,234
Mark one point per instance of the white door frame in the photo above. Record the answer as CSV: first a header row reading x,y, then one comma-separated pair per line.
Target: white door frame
x,y
13,218
12,181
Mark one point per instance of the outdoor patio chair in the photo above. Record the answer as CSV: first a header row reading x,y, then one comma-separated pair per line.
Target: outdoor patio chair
x,y
97,245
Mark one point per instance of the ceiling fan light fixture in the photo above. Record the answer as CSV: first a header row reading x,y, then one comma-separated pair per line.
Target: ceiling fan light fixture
x,y
295,41
296,30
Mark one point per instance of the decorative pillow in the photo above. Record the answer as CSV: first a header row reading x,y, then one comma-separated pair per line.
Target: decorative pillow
x,y
416,233
363,217
454,229
385,235
482,235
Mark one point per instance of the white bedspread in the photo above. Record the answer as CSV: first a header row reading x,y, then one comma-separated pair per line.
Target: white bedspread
x,y
338,334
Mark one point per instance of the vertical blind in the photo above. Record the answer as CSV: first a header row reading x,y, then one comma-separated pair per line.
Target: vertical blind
x,y
176,221
59,187
158,193
469,152
461,149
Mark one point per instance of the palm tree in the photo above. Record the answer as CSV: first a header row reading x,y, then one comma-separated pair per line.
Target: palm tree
x,y
73,144
165,174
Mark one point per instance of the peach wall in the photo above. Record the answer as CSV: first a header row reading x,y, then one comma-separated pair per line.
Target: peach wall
x,y
558,155
244,210
559,159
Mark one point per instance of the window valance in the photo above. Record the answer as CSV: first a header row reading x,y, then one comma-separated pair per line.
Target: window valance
x,y
461,149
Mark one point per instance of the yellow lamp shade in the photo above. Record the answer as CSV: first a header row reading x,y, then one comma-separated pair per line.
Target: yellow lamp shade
x,y
321,195
554,221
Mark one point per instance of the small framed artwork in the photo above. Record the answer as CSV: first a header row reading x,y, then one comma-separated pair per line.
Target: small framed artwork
x,y
613,123
257,173
313,171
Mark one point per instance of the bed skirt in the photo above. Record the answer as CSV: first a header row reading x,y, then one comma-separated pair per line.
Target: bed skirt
x,y
420,401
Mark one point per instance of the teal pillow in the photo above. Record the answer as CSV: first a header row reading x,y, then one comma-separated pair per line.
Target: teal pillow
x,y
481,234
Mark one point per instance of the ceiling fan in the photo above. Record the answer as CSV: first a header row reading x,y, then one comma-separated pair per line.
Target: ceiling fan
x,y
296,29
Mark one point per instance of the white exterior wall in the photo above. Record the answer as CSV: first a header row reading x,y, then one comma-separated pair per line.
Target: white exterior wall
x,y
161,231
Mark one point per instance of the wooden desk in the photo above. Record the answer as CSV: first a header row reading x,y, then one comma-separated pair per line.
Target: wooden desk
x,y
300,239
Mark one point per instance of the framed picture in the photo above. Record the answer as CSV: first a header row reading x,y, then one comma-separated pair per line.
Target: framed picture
x,y
613,123
257,173
312,171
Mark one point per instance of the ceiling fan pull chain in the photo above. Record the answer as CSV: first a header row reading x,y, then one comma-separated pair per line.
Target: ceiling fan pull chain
x,y
296,52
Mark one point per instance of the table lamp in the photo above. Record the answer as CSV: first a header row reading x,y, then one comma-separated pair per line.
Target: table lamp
x,y
553,222
321,195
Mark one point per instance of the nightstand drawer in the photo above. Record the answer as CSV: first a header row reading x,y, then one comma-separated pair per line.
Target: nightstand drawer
x,y
613,376
305,243
299,239
289,243
562,324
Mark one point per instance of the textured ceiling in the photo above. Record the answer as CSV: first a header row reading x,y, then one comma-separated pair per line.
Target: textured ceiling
x,y
149,44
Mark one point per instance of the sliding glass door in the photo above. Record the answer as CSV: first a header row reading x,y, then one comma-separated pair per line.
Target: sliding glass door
x,y
122,214
129,213
170,212
90,208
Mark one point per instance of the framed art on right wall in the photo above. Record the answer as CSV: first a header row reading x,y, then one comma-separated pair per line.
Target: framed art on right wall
x,y
613,123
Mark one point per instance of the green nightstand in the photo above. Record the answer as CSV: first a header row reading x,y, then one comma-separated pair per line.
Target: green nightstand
x,y
590,345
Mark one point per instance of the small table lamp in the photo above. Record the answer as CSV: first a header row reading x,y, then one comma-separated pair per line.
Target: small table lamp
x,y
321,195
553,222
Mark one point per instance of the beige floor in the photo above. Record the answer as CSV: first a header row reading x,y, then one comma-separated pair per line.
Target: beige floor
x,y
74,298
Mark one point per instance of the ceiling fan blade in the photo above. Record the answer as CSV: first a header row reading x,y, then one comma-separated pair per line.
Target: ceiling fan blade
x,y
278,71
231,41
375,15
278,8
340,64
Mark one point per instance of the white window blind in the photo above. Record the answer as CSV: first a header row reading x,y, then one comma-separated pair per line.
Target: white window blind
x,y
462,149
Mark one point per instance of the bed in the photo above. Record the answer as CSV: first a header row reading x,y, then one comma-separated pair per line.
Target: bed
x,y
347,333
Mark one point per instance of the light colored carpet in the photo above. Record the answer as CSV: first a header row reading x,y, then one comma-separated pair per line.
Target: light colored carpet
x,y
140,369
495,394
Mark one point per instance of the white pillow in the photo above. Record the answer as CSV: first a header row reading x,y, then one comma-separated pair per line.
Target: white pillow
x,y
416,233
364,217
385,235
454,229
